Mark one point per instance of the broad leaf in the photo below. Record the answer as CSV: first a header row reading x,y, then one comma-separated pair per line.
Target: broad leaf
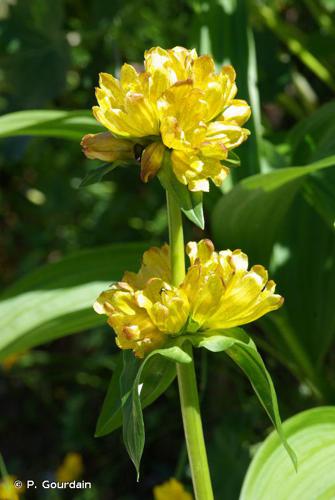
x,y
56,300
156,378
303,267
51,123
254,210
189,202
242,350
312,139
130,387
270,475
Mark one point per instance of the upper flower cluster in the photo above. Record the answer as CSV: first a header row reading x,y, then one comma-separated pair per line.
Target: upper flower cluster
x,y
218,292
179,102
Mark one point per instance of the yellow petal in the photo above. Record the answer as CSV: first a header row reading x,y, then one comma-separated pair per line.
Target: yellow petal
x,y
155,263
166,306
141,115
131,323
227,78
151,161
204,291
105,147
185,103
247,294
214,150
203,69
172,134
195,170
111,87
237,113
184,58
215,100
203,251
129,79
227,134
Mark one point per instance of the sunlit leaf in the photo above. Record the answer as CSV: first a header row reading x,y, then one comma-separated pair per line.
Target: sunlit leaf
x,y
50,123
56,300
254,210
242,350
270,475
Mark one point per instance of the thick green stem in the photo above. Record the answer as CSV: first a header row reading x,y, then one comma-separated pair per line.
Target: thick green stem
x,y
187,383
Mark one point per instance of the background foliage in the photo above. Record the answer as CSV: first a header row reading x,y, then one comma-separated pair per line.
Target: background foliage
x,y
51,53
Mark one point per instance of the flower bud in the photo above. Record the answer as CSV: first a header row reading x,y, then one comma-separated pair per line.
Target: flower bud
x,y
105,147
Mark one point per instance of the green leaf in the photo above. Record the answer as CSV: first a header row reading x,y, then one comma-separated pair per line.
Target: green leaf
x,y
51,123
304,329
254,210
242,350
98,173
189,202
110,417
312,139
130,388
311,433
156,378
56,300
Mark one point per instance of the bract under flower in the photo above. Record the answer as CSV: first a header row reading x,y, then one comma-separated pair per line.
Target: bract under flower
x,y
181,103
218,292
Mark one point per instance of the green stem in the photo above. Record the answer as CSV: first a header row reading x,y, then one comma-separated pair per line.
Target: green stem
x,y
187,383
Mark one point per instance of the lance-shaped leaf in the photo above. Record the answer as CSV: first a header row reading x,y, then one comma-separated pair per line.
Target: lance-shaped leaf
x,y
156,378
242,350
131,388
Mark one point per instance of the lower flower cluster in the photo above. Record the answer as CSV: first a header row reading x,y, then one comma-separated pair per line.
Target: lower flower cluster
x,y
218,292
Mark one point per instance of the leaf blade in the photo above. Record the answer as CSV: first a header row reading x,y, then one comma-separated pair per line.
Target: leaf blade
x,y
311,433
242,350
56,300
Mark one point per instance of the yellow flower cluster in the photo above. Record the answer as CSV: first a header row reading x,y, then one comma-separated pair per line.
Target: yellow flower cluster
x,y
180,103
71,469
8,490
218,292
171,490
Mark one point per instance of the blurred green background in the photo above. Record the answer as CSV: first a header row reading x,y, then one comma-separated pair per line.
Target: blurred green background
x,y
50,396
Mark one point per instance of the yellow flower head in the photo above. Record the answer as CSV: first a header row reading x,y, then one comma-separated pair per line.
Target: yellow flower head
x,y
71,469
218,292
178,102
171,490
8,490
